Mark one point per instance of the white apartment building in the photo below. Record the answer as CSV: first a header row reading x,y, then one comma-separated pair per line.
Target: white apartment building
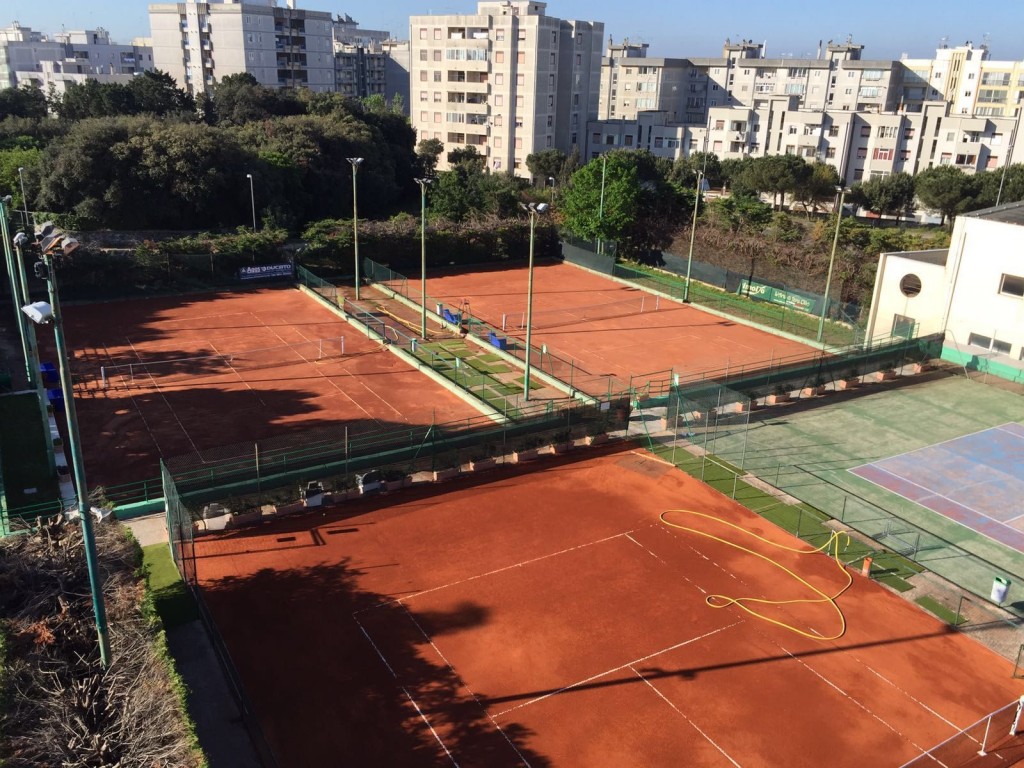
x,y
360,62
973,292
198,43
860,145
967,78
687,88
508,80
28,57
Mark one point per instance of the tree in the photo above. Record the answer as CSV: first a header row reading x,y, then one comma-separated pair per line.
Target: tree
x,y
817,187
156,93
776,175
1010,178
239,99
547,163
428,151
640,208
891,195
26,101
946,190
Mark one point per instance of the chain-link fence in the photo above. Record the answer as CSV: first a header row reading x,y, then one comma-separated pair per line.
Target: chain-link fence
x,y
994,740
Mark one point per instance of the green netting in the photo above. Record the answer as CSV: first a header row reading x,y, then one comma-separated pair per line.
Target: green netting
x,y
180,534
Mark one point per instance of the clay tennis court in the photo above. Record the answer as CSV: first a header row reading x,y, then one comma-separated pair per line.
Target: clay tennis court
x,y
567,313
546,616
270,362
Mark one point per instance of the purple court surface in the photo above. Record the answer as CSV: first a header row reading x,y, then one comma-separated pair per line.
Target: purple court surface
x,y
976,480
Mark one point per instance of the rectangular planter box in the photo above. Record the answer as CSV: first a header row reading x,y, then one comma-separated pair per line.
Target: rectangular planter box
x,y
478,465
776,399
599,439
847,383
245,518
394,485
561,448
527,455
811,391
445,474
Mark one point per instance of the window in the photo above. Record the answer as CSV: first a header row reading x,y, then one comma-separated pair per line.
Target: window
x,y
521,57
519,143
992,162
437,76
1012,285
499,100
629,140
498,120
966,159
904,155
887,131
792,130
499,79
658,142
719,125
423,75
499,35
437,34
551,60
423,95
423,54
865,131
520,79
499,57
520,102
423,34
987,342
858,174
830,152
909,133
882,153
910,285
862,153
833,130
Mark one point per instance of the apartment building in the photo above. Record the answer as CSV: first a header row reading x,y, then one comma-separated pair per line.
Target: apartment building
x,y
860,145
509,80
397,62
360,62
31,58
198,43
967,78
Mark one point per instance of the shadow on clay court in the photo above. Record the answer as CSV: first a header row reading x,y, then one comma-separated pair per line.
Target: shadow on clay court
x,y
299,639
691,673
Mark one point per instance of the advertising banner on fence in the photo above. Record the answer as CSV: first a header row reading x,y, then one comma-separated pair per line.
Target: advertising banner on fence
x,y
777,296
265,271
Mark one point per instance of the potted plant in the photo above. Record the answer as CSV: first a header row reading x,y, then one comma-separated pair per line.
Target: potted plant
x,y
394,479
849,380
482,458
816,387
448,467
528,450
562,441
778,395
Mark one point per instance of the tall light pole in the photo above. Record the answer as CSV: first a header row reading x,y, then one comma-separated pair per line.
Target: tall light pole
x,y
424,182
356,162
693,234
24,198
65,245
600,208
5,204
831,262
37,378
551,181
533,209
252,199
1009,151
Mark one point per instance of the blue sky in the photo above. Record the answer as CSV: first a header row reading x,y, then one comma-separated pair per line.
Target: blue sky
x,y
672,28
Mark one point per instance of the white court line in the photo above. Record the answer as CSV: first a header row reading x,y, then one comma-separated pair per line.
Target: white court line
x,y
491,573
330,381
138,410
424,717
910,696
163,397
627,665
645,549
953,501
379,653
688,720
464,684
240,378
934,445
853,699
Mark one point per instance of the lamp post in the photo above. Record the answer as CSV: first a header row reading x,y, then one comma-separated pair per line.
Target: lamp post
x,y
600,208
424,182
24,198
252,199
66,245
693,234
533,209
19,240
551,181
5,203
831,262
356,162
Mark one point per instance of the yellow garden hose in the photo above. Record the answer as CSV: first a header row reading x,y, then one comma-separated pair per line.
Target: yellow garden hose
x,y
830,547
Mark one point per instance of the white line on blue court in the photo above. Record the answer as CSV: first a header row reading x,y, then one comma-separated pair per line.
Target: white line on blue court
x,y
936,445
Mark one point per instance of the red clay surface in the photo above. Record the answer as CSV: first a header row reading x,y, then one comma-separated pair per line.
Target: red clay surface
x,y
677,335
271,392
548,618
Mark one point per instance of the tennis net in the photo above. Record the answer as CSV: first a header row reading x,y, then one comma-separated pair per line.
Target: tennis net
x,y
552,318
154,372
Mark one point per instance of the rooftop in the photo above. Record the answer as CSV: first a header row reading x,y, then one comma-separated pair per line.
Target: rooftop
x,y
1010,213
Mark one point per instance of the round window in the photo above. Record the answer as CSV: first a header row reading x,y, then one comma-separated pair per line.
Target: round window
x,y
910,285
